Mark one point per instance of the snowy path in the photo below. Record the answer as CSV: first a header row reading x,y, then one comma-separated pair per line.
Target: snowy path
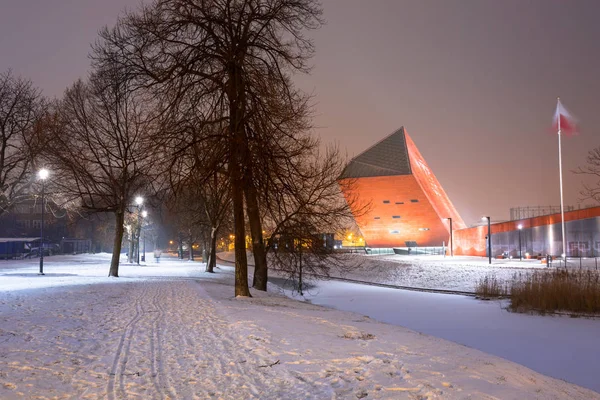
x,y
171,331
159,340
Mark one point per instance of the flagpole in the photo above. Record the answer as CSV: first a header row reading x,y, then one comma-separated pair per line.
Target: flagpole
x,y
562,209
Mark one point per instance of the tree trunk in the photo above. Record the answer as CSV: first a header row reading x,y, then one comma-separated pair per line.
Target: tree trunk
x,y
241,262
258,246
131,245
191,250
114,262
180,242
300,270
237,196
211,263
238,148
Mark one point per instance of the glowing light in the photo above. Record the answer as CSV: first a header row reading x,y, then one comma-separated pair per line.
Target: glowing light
x,y
43,173
144,214
139,200
520,227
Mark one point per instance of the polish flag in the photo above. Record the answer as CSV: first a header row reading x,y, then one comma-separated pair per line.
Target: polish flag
x,y
564,121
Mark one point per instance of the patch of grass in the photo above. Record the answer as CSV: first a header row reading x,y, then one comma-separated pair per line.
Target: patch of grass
x,y
576,291
358,336
490,288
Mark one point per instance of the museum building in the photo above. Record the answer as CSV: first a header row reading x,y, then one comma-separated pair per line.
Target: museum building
x,y
399,205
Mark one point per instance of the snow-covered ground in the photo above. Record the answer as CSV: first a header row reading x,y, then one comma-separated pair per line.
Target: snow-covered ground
x,y
170,330
437,272
562,347
461,273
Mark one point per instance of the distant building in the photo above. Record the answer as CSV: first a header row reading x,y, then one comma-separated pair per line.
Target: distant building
x,y
408,206
25,220
409,210
21,228
541,235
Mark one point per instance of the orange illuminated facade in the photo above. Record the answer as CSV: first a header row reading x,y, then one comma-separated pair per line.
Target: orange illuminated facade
x,y
407,205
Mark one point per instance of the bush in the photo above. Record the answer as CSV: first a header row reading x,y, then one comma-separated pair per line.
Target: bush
x,y
490,287
556,291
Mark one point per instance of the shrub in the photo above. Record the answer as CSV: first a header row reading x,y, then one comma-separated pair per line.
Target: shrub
x,y
559,290
490,287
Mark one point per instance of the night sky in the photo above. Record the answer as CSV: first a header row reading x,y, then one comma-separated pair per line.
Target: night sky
x,y
473,81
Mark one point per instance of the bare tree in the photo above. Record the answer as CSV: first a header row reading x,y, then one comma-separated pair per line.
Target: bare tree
x,y
102,151
21,108
280,144
306,211
225,50
202,209
591,169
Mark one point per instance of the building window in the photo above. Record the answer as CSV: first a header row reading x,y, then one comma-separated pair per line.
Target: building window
x,y
423,229
36,223
377,218
399,202
24,223
21,209
386,202
394,232
396,216
414,201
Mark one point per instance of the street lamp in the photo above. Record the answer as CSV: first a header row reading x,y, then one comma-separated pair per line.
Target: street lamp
x,y
489,238
138,201
144,215
520,227
43,175
451,241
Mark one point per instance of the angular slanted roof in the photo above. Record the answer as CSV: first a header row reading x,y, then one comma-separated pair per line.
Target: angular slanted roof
x,y
388,157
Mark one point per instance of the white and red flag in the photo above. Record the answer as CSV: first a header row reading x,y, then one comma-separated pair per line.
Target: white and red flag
x,y
564,120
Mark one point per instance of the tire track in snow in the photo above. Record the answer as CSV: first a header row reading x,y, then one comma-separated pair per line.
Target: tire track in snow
x,y
146,324
115,378
213,358
176,344
159,373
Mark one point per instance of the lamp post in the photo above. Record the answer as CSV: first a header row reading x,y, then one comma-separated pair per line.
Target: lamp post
x,y
144,215
489,238
351,240
451,241
43,175
520,227
138,201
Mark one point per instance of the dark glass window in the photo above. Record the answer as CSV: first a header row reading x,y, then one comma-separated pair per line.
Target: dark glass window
x,y
386,202
394,231
399,202
414,201
396,216
376,218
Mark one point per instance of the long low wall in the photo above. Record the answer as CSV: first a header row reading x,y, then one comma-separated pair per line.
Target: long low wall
x,y
539,235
